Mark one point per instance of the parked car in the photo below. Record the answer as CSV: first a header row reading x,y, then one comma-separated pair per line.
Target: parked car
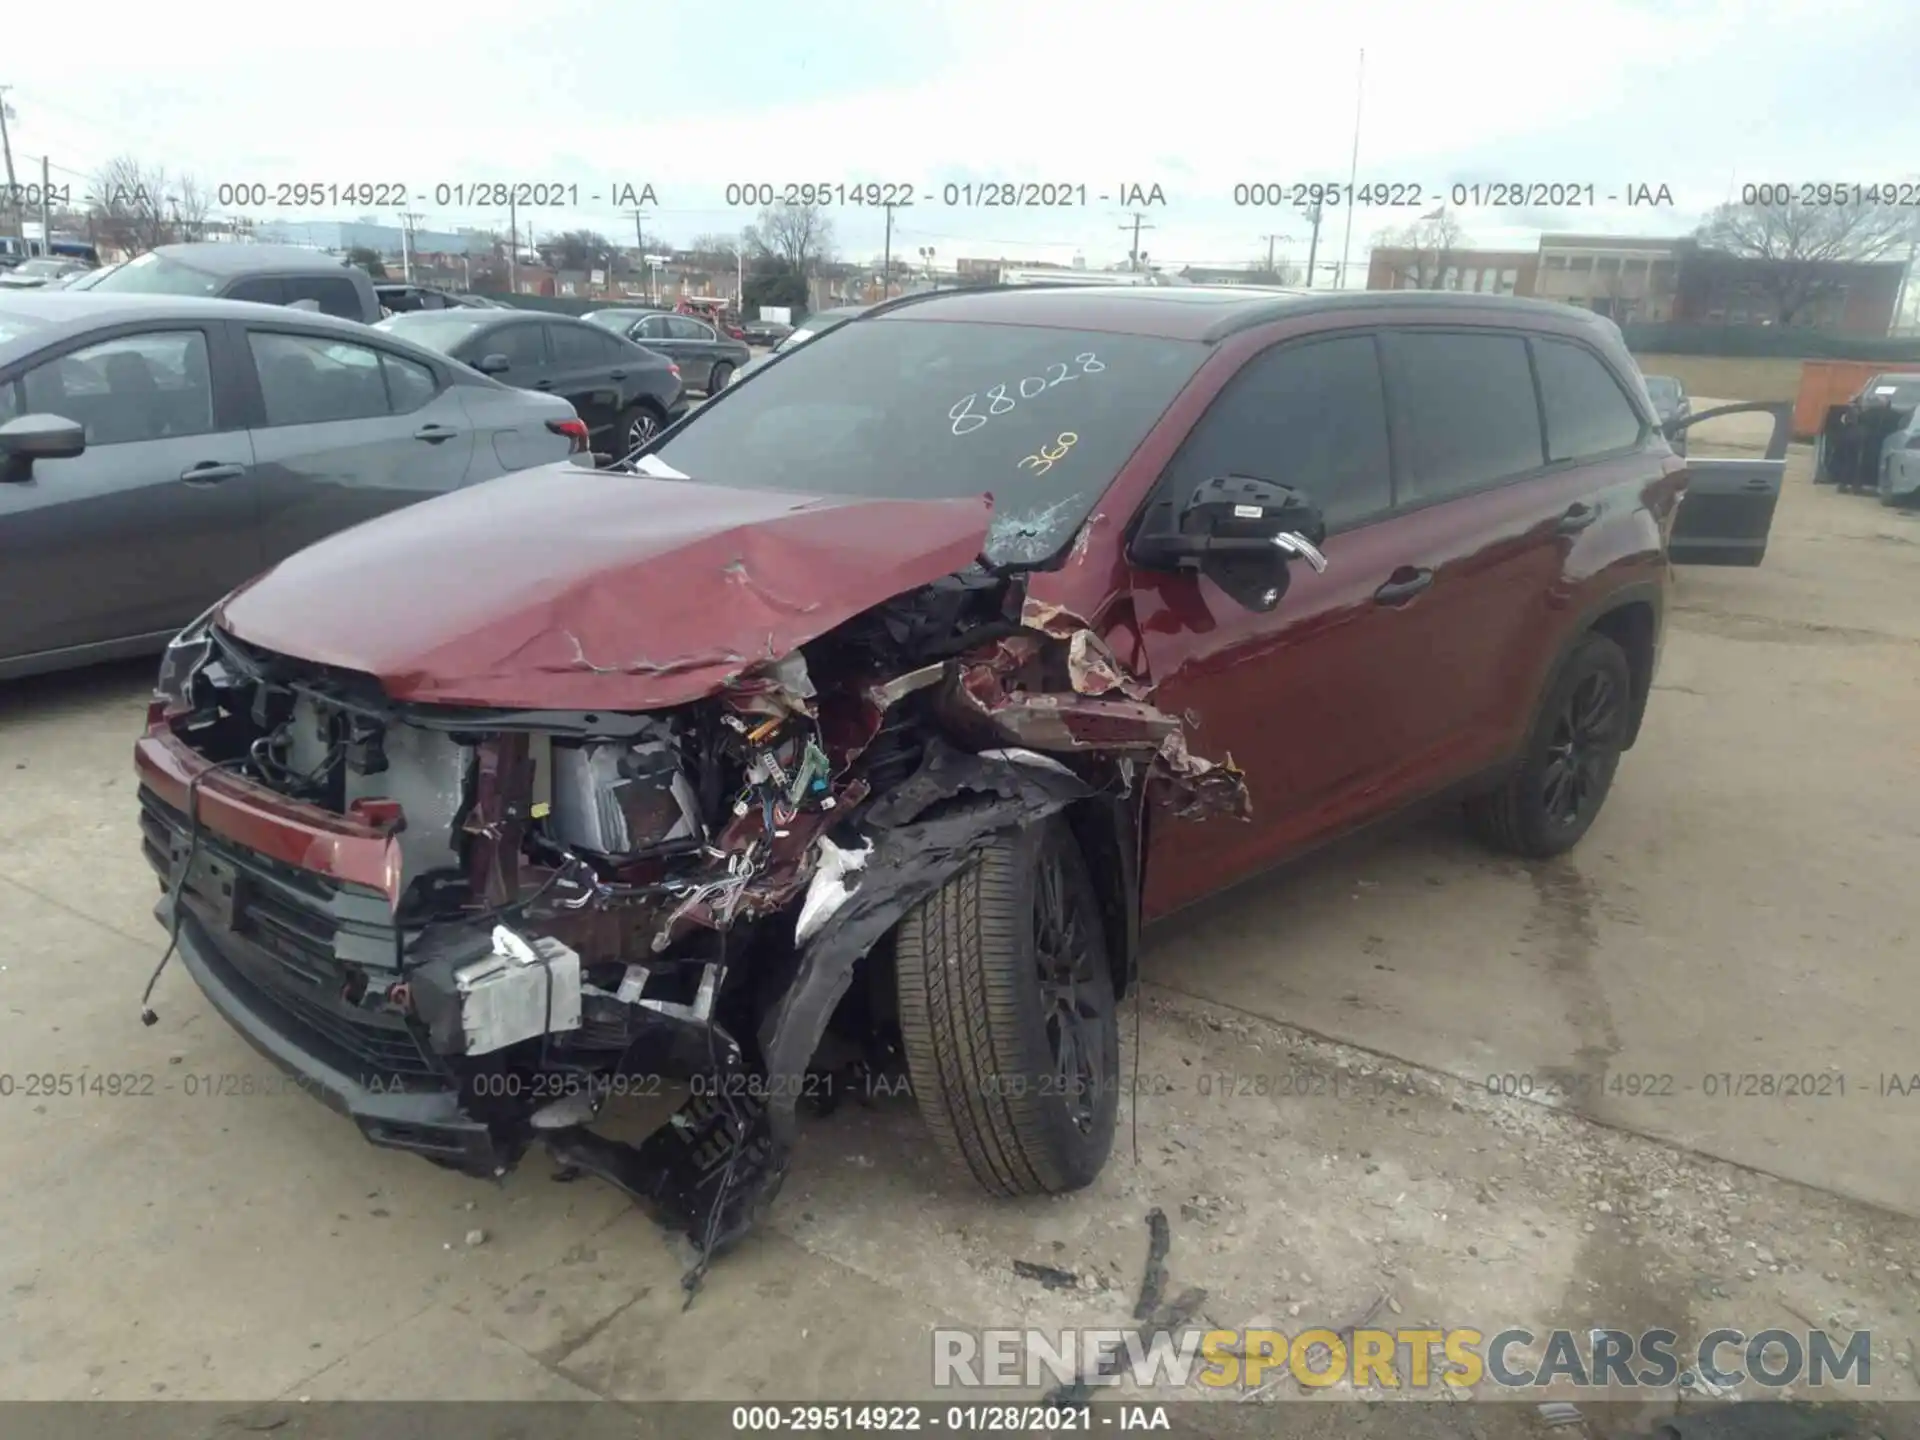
x,y
764,332
1900,464
87,279
41,271
707,359
156,451
1670,402
1856,435
265,274
626,394
403,298
785,735
818,323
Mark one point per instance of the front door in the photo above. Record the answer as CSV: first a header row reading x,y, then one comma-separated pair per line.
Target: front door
x,y
154,521
1311,699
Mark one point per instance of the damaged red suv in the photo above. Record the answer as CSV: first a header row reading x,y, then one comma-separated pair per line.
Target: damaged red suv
x,y
863,719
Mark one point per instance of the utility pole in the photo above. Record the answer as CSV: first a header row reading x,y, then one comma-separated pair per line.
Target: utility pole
x,y
640,244
407,220
1353,173
513,246
1139,224
1270,239
6,144
886,262
46,209
1313,213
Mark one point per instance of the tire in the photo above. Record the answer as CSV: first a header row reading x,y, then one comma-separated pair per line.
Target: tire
x,y
629,422
982,1035
1544,807
721,378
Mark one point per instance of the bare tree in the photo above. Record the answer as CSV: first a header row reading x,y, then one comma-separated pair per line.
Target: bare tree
x,y
191,204
713,250
577,250
1282,272
1788,252
1426,248
131,204
796,235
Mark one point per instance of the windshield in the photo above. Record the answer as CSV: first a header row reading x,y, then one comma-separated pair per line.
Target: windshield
x,y
1900,390
154,274
1664,389
1041,419
436,329
13,326
44,267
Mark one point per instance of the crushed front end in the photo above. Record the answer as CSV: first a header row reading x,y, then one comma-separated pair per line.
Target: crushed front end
x,y
470,929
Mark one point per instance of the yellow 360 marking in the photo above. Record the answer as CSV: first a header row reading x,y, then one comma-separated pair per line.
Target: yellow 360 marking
x,y
1046,458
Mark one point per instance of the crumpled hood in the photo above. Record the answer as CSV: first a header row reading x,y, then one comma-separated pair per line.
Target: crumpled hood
x,y
564,588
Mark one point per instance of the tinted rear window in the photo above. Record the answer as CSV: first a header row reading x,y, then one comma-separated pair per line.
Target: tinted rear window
x,y
1587,411
1041,419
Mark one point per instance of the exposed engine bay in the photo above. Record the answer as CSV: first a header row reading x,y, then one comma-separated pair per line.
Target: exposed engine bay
x,y
576,904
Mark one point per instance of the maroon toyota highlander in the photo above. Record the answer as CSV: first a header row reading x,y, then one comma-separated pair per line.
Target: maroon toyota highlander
x,y
863,719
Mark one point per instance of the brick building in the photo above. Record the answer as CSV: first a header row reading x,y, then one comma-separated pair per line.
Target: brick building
x,y
1490,272
1632,278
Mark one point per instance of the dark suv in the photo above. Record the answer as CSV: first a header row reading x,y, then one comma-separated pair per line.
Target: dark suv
x,y
264,274
864,716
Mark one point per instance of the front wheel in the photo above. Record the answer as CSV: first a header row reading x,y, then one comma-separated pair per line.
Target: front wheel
x,y
1551,798
1008,1016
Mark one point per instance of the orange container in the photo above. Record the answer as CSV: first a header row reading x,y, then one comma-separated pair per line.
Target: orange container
x,y
1825,383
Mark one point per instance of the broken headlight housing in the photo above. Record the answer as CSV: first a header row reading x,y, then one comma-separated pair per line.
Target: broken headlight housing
x,y
185,654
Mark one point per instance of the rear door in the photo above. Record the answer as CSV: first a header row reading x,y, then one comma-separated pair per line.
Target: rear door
x,y
1726,511
344,431
157,519
587,373
698,350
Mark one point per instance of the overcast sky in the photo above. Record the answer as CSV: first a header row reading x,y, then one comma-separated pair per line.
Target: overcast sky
x,y
1698,95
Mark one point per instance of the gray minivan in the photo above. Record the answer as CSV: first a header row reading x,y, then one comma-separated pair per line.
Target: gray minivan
x,y
264,274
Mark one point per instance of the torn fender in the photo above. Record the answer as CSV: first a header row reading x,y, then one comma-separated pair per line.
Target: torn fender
x,y
909,859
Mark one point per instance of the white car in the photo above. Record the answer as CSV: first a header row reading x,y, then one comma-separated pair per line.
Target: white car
x,y
1900,465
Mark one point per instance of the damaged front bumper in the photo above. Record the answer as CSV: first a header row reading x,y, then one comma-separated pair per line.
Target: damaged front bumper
x,y
468,930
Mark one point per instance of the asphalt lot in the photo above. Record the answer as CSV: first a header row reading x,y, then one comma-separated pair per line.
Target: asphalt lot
x,y
1328,1141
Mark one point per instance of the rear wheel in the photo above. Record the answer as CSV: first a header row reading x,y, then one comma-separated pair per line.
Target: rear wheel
x,y
721,378
1008,1016
1551,799
637,424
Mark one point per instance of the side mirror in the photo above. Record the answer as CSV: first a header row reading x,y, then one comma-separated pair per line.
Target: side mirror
x,y
37,437
492,365
1240,532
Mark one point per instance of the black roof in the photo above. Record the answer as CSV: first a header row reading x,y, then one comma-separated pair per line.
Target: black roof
x,y
216,258
1194,312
